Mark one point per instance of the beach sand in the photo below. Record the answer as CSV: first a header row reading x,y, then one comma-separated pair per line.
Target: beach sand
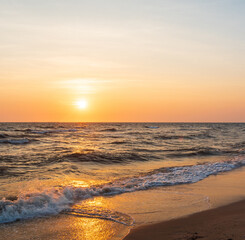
x,y
225,220
223,223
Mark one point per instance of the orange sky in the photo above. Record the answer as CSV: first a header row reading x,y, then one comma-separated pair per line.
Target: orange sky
x,y
128,60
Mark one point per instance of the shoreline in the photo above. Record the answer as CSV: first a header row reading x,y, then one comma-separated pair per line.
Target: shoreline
x,y
225,222
175,213
168,210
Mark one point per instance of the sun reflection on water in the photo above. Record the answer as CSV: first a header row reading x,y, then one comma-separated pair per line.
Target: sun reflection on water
x,y
81,183
64,227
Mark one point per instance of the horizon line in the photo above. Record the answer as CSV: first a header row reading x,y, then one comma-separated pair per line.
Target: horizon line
x,y
120,122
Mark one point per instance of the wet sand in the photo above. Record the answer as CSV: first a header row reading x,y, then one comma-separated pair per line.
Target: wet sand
x,y
63,227
223,223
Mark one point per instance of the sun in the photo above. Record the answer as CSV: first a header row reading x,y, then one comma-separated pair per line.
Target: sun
x,y
81,104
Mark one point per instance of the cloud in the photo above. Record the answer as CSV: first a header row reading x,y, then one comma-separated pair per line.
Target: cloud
x,y
84,86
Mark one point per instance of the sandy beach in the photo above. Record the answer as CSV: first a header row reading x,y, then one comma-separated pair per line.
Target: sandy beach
x,y
226,223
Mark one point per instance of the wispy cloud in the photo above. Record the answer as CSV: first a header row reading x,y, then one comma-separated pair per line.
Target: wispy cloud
x,y
84,86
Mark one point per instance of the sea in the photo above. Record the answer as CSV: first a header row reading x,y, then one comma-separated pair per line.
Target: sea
x,y
48,168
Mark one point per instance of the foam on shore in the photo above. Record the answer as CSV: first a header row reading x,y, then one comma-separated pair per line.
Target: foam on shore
x,y
57,200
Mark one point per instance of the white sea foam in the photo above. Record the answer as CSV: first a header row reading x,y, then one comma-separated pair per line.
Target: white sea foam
x,y
101,213
55,201
153,127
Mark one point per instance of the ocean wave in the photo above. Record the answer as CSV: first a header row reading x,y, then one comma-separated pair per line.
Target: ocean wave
x,y
239,145
14,141
151,150
119,142
189,152
136,133
3,135
53,131
3,170
38,131
205,152
180,137
106,157
196,152
109,130
146,154
54,201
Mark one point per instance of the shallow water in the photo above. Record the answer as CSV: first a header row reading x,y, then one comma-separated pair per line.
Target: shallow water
x,y
50,168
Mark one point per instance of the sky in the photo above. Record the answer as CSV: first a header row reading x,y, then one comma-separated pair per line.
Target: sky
x,y
122,61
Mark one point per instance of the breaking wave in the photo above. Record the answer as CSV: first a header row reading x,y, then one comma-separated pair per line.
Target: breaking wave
x,y
54,201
